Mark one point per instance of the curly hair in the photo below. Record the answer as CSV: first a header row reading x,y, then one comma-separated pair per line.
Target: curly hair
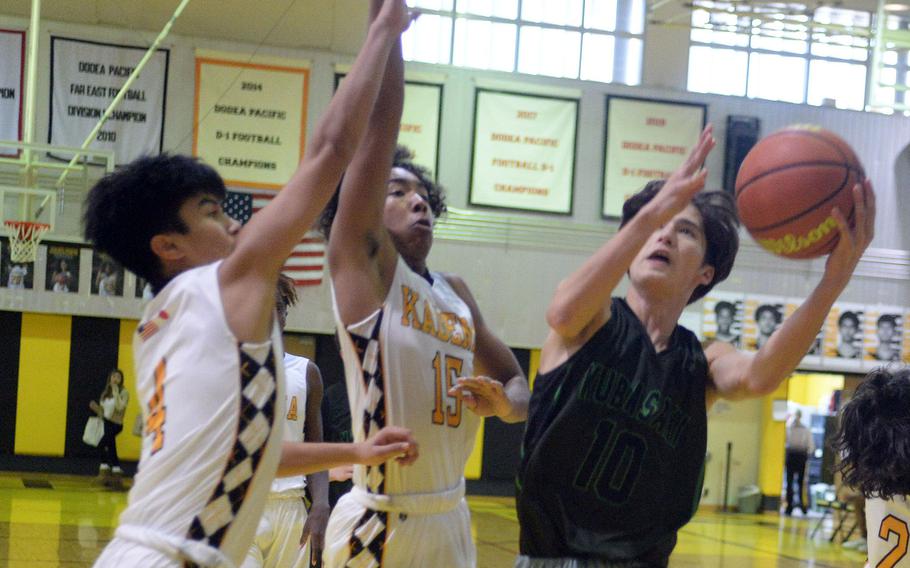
x,y
286,293
126,208
874,435
404,159
721,226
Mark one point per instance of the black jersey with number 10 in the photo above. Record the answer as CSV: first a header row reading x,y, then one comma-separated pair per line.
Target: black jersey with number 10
x,y
613,456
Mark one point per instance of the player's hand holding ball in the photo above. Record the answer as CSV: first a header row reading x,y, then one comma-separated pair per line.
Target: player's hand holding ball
x,y
390,442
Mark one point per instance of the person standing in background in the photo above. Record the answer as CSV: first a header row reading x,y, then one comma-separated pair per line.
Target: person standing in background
x,y
799,447
111,409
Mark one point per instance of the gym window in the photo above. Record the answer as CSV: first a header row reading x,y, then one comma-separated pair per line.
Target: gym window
x,y
593,40
780,52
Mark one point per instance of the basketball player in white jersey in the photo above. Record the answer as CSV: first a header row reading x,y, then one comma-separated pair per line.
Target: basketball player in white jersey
x,y
874,442
208,350
287,535
414,346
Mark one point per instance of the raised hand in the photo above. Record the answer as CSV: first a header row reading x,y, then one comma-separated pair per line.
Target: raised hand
x,y
685,182
395,13
852,242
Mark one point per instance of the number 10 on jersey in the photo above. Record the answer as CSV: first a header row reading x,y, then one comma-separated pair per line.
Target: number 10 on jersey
x,y
448,408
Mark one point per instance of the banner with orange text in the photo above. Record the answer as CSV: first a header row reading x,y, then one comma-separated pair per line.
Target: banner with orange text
x,y
524,151
420,120
646,140
250,117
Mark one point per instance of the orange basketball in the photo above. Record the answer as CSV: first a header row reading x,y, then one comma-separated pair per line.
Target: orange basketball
x,y
787,186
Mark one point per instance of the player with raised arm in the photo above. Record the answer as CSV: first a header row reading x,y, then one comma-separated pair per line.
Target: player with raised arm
x,y
416,351
208,350
613,455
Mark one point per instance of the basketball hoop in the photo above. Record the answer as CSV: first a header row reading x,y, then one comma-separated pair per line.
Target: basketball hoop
x,y
24,237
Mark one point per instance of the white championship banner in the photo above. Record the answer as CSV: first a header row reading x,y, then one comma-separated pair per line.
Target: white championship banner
x,y
250,117
12,59
85,78
646,140
524,151
420,121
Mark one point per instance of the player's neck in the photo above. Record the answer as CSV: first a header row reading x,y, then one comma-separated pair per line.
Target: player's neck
x,y
658,314
418,265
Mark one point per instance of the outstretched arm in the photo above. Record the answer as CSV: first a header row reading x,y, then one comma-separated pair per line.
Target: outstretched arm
x,y
389,443
499,386
265,242
361,254
737,375
581,301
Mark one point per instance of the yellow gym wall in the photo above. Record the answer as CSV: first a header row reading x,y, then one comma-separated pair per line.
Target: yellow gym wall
x,y
811,389
773,443
128,446
44,359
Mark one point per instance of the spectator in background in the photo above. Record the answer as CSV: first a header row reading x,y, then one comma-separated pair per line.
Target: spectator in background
x,y
799,448
111,409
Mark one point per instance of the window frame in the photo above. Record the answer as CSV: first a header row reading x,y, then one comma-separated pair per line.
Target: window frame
x,y
519,22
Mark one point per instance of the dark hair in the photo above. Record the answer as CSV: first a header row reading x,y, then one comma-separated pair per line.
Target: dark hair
x,y
724,305
767,308
848,316
403,159
128,207
887,318
720,222
108,391
286,294
874,435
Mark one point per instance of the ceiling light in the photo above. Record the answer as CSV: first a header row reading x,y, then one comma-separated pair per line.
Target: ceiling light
x,y
896,7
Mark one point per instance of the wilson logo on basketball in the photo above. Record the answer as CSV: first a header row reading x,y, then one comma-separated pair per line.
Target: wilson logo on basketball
x,y
789,244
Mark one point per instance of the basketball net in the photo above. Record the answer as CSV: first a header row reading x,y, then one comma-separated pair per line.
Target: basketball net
x,y
24,237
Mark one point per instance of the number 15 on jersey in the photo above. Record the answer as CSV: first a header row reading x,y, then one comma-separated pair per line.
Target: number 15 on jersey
x,y
447,410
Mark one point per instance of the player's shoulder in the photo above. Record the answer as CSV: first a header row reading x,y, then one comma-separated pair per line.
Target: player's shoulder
x,y
457,284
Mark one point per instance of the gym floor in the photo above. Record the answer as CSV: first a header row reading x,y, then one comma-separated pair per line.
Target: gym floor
x,y
51,521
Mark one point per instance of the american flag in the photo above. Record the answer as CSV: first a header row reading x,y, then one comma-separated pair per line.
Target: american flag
x,y
148,329
307,261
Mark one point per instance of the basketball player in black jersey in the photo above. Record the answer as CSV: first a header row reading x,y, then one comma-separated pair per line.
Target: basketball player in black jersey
x,y
613,456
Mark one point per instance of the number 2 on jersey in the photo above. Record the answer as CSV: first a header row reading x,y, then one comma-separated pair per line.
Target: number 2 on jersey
x,y
892,525
448,408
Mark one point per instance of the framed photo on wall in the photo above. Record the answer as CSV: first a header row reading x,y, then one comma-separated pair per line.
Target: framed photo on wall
x,y
645,140
62,269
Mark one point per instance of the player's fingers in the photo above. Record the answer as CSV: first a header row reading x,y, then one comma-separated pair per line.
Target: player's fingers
x,y
859,213
845,234
869,197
